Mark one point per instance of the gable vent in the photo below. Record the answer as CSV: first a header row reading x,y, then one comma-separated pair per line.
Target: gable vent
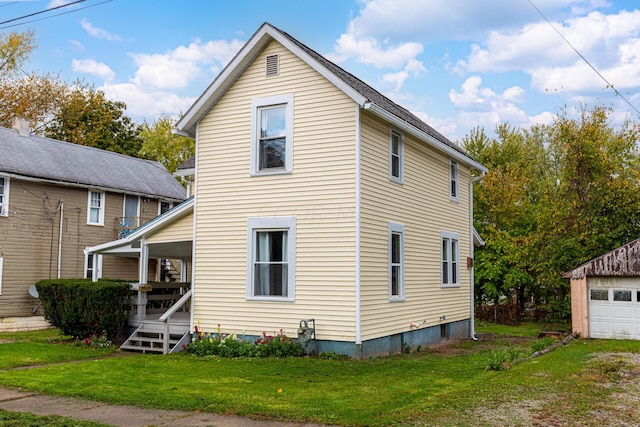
x,y
272,65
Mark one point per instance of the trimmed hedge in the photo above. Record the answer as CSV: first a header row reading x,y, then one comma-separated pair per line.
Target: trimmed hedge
x,y
82,308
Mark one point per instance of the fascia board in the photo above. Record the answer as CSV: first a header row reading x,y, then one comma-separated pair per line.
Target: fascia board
x,y
144,230
186,125
439,145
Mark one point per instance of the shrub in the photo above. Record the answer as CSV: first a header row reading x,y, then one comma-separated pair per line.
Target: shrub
x,y
499,360
81,308
230,345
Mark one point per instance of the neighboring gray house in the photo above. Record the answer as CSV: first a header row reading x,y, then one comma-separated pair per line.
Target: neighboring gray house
x,y
58,198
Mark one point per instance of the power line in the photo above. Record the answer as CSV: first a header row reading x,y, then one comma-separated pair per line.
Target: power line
x,y
57,14
42,11
584,59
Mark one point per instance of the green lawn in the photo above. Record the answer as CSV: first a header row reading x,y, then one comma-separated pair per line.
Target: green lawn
x,y
18,419
447,385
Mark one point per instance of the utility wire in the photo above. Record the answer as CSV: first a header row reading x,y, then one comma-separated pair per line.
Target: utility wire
x,y
57,14
584,59
42,11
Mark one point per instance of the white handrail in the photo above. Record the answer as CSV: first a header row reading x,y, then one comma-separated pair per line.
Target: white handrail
x,y
166,318
182,301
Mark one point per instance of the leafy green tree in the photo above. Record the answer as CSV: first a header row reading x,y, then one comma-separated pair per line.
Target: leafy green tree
x,y
160,144
87,117
554,197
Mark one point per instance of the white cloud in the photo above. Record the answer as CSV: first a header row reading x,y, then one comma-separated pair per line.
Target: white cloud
x,y
147,104
369,51
99,33
76,46
611,43
89,66
177,68
432,20
482,106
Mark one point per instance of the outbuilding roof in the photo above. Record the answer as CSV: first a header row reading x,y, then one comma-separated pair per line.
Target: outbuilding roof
x,y
622,261
51,160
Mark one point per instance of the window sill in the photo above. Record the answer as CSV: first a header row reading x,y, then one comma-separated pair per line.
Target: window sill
x,y
445,286
95,224
397,299
271,299
454,200
272,172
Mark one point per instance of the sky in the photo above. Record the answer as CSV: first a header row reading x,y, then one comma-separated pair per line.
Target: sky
x,y
456,64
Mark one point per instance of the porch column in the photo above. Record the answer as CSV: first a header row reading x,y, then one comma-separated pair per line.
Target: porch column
x,y
183,270
144,262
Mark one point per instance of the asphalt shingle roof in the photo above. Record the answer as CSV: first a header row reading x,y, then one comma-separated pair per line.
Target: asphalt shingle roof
x,y
373,95
53,160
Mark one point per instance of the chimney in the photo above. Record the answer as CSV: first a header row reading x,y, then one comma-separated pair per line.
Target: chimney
x,y
20,125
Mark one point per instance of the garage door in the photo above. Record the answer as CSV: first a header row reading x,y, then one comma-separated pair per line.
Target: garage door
x,y
614,313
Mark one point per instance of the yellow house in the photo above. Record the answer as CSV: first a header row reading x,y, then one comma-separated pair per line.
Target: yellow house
x,y
316,197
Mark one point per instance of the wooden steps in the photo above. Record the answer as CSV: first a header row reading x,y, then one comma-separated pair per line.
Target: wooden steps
x,y
149,337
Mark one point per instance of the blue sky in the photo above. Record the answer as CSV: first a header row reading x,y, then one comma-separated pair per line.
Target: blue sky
x,y
478,63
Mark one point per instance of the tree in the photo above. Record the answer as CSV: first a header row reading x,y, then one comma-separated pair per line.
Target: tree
x,y
87,117
554,197
160,144
15,49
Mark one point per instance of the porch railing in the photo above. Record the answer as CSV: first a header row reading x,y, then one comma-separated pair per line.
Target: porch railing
x,y
166,317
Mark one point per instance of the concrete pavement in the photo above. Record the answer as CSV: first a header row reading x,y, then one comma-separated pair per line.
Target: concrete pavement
x,y
126,416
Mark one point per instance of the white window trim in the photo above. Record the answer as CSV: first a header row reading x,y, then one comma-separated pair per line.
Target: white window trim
x,y
396,179
272,223
449,236
97,266
256,104
4,208
1,264
396,228
136,220
454,177
160,202
102,208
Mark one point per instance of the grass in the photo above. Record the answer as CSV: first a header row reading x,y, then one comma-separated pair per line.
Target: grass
x,y
19,419
438,386
41,347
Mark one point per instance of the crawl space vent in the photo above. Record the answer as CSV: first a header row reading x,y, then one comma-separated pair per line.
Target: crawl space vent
x,y
272,65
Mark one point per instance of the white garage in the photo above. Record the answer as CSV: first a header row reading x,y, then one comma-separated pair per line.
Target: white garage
x,y
605,295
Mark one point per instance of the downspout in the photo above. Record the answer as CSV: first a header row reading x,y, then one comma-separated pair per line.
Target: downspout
x,y
357,242
193,242
472,249
61,208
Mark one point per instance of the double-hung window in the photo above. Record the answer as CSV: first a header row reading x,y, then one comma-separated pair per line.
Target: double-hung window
x,y
4,196
272,135
450,259
453,180
271,256
95,210
396,262
396,156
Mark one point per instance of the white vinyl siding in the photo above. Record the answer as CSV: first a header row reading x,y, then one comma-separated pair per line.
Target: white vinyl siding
x,y
396,156
272,135
319,193
396,262
4,196
95,208
422,204
271,258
